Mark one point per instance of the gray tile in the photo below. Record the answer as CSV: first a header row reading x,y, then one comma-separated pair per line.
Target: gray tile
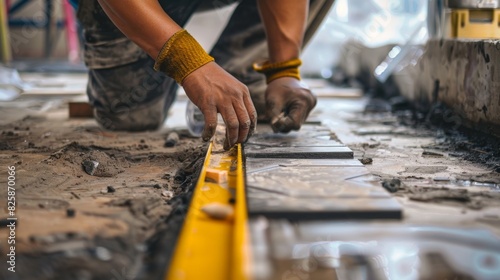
x,y
307,136
266,128
307,175
278,206
317,182
311,141
293,140
317,192
257,164
298,152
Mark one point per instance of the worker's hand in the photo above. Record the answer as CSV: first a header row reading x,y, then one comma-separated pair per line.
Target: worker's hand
x,y
288,103
214,91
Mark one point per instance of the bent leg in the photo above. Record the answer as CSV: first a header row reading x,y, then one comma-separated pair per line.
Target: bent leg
x,y
125,91
131,97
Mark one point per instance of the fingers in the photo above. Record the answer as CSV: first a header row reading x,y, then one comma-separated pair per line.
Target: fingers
x,y
274,108
240,119
244,121
217,91
210,114
297,112
252,114
232,126
292,121
239,116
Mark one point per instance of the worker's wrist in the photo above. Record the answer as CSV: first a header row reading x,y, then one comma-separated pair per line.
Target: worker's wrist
x,y
273,71
180,56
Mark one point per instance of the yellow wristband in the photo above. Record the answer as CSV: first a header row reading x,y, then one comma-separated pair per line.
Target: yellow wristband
x,y
180,56
273,71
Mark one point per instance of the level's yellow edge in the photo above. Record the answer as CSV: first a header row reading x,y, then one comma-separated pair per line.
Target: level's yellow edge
x,y
209,248
241,249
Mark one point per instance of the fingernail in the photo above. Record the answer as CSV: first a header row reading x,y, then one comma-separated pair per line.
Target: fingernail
x,y
205,137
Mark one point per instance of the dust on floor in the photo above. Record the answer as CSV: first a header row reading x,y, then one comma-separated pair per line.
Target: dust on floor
x,y
442,172
73,225
88,201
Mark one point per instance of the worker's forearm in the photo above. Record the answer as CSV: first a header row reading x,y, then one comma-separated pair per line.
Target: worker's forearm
x,y
144,22
285,22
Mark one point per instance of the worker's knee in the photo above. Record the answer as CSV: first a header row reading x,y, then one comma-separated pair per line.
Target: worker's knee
x,y
131,97
132,119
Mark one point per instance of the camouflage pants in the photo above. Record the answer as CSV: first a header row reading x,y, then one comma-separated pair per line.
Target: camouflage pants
x,y
125,91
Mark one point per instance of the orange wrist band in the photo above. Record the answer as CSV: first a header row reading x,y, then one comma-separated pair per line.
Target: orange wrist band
x,y
273,71
180,56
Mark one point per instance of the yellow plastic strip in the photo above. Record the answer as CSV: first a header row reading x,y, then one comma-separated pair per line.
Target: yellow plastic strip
x,y
210,248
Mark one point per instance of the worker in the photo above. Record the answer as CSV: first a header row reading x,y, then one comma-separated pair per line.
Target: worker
x,y
137,53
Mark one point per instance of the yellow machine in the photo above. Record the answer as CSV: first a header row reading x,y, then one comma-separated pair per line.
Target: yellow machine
x,y
473,19
476,24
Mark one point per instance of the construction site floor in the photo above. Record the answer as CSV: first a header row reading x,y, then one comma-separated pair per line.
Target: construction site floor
x,y
117,222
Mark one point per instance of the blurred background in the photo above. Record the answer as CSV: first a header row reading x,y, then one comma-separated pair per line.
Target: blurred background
x,y
47,29
43,36
406,84
40,30
384,48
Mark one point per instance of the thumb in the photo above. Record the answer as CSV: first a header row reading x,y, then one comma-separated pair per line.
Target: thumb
x,y
275,106
297,113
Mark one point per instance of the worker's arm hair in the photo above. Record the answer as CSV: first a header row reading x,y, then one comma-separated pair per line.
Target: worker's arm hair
x,y
144,22
285,22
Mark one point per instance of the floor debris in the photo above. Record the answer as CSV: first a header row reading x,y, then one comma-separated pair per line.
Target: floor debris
x,y
391,185
172,139
70,212
90,166
366,160
167,194
440,177
86,184
218,211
